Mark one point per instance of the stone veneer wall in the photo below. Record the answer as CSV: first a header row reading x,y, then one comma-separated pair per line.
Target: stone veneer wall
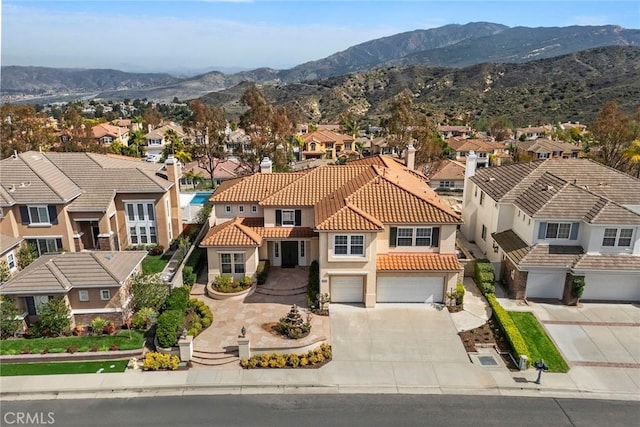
x,y
106,243
516,285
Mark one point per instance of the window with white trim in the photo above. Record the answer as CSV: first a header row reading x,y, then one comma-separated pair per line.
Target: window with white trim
x,y
83,295
481,198
414,236
232,263
558,230
288,217
105,294
350,245
447,184
46,245
254,208
11,261
227,209
276,250
39,215
241,209
302,249
620,237
141,222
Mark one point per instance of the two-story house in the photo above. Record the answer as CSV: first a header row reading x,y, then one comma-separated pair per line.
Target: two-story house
x,y
327,144
106,134
544,148
544,223
533,132
379,233
447,131
156,139
484,150
77,201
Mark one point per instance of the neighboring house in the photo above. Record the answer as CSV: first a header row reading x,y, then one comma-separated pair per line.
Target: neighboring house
x,y
328,144
156,140
379,145
484,150
449,175
127,123
573,125
91,283
9,247
379,234
106,134
77,201
224,170
237,141
533,132
543,148
543,223
447,132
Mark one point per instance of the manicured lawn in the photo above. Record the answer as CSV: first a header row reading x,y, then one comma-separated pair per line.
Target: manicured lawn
x,y
152,264
60,344
539,344
10,369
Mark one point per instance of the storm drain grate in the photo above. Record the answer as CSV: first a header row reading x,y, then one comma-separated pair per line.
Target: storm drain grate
x,y
487,361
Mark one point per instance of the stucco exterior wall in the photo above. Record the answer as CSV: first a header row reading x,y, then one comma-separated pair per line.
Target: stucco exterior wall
x,y
251,260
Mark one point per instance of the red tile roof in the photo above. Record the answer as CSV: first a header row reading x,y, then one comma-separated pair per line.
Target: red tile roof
x,y
417,262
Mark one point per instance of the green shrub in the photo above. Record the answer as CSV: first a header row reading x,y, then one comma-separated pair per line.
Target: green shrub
x,y
262,272
55,317
459,294
169,328
577,287
156,250
488,288
223,283
313,286
144,318
178,299
509,328
199,316
485,276
196,260
275,360
98,324
188,276
156,361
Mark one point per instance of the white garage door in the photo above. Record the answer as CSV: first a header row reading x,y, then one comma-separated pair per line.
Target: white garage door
x,y
346,289
612,287
545,285
410,289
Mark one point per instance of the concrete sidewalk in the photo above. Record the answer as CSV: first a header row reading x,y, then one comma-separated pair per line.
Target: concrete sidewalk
x,y
335,377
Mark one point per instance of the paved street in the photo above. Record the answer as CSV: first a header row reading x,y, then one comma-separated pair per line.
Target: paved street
x,y
323,410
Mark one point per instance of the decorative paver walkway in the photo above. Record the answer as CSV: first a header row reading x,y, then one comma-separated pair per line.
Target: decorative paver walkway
x,y
218,344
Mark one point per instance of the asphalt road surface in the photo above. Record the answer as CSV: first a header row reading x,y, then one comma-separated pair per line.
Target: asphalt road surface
x,y
305,410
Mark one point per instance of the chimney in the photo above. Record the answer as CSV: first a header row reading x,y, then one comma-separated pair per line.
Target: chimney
x,y
410,157
149,127
472,160
265,165
174,172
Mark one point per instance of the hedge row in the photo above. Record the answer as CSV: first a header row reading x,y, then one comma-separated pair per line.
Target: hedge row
x,y
263,271
275,360
485,277
509,328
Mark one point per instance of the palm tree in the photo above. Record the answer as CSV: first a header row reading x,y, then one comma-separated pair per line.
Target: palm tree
x,y
632,154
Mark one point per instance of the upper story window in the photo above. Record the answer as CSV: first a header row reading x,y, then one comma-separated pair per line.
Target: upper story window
x,y
83,295
155,142
481,198
227,209
107,140
558,230
288,217
620,237
482,155
348,245
11,261
254,208
241,209
39,215
414,236
543,155
105,294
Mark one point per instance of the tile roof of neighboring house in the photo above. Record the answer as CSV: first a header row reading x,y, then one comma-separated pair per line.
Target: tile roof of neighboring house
x,y
388,162
329,127
159,132
447,128
538,255
610,262
417,262
106,129
506,183
224,169
8,242
57,273
544,145
477,145
449,170
232,233
257,225
536,129
253,188
327,136
89,180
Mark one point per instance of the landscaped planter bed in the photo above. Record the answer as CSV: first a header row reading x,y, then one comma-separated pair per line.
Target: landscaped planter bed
x,y
212,293
64,344
490,334
68,357
312,359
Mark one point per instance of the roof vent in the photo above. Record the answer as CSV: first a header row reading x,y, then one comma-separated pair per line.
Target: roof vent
x,y
547,188
109,257
12,188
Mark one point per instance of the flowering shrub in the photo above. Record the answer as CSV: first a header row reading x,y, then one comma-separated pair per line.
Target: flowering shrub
x,y
275,360
157,361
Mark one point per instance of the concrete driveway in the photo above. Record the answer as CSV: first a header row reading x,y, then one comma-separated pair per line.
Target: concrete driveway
x,y
594,334
395,333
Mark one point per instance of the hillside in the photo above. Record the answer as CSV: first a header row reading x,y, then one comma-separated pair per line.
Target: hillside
x,y
44,80
570,87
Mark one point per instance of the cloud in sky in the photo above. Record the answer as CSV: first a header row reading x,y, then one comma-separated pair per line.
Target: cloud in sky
x,y
152,42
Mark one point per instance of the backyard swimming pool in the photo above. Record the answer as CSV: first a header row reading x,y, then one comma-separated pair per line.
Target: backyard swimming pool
x,y
200,198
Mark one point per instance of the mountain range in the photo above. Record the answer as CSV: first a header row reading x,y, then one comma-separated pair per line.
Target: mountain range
x,y
450,46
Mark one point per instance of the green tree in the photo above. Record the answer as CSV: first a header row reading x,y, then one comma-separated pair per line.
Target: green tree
x,y
350,125
5,272
632,154
612,133
149,291
54,317
10,323
26,254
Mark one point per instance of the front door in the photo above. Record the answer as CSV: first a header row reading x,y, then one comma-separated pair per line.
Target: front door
x,y
289,254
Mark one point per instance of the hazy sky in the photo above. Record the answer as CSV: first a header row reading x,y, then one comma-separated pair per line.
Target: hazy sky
x,y
172,35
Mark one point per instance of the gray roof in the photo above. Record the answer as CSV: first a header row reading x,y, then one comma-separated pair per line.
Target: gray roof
x,y
611,262
57,273
8,242
90,179
545,145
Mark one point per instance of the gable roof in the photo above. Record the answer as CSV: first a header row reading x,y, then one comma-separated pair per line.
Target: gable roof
x,y
106,129
417,262
477,145
231,233
449,170
327,136
506,183
158,133
253,188
545,145
57,273
8,242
